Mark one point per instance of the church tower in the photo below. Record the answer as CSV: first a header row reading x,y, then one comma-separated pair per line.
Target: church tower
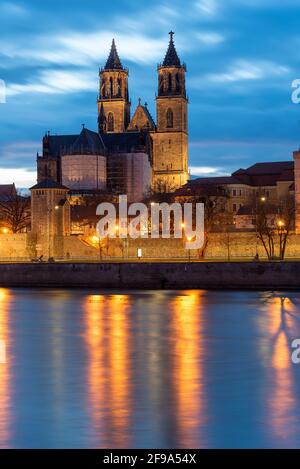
x,y
113,102
170,142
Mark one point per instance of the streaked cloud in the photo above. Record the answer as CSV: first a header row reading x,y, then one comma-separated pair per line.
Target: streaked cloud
x,y
206,171
57,82
21,177
12,9
210,38
207,7
242,70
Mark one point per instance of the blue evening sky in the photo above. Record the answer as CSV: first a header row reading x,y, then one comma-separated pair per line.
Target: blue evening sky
x,y
241,56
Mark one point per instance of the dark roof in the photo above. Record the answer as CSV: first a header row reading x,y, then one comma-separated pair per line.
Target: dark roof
x,y
7,189
49,184
113,61
260,174
58,144
276,167
171,58
88,142
125,142
215,180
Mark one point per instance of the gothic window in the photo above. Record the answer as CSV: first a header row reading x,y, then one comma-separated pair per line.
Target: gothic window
x,y
119,87
177,82
169,118
111,87
170,82
103,89
110,122
161,84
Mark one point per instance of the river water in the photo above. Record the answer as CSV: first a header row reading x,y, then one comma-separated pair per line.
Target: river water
x,y
151,369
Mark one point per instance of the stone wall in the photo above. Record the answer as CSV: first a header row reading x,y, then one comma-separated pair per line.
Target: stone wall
x,y
17,246
159,275
221,246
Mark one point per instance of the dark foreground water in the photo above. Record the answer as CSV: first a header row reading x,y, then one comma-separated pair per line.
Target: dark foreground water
x,y
149,369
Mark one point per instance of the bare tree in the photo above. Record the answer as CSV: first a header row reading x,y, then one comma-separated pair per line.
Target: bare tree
x,y
274,225
15,212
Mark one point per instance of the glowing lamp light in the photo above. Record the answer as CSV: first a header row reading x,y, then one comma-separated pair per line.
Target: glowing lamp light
x,y
56,207
95,239
263,199
4,230
182,225
280,223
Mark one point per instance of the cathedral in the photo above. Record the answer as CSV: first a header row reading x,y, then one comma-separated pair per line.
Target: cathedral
x,y
130,152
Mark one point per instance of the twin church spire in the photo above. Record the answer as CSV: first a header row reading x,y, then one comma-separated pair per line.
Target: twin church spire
x,y
114,104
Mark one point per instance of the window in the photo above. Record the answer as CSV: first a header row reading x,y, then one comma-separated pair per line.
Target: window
x,y
111,87
234,192
110,122
234,207
170,82
169,118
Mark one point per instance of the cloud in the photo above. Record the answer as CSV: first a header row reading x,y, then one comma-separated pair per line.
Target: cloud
x,y
207,7
85,48
18,151
21,177
12,9
56,82
210,38
243,70
206,171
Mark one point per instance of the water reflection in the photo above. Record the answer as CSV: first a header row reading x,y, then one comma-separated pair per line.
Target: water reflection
x,y
282,398
109,367
187,330
5,371
149,369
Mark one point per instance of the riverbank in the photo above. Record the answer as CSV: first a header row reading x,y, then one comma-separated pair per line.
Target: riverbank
x,y
154,275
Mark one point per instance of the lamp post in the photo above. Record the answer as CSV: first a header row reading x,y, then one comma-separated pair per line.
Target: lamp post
x,y
262,199
189,240
280,225
50,229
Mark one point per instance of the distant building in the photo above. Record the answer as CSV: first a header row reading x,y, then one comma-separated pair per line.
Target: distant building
x,y
127,155
273,180
7,191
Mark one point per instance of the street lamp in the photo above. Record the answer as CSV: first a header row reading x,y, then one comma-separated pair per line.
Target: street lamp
x,y
261,199
189,240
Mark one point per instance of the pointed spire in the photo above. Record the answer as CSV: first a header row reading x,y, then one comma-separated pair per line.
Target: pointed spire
x,y
113,61
171,58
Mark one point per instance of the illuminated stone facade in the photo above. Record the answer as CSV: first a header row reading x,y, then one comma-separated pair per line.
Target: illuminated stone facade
x,y
159,149
50,217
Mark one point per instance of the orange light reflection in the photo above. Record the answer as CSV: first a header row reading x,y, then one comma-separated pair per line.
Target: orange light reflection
x,y
187,325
